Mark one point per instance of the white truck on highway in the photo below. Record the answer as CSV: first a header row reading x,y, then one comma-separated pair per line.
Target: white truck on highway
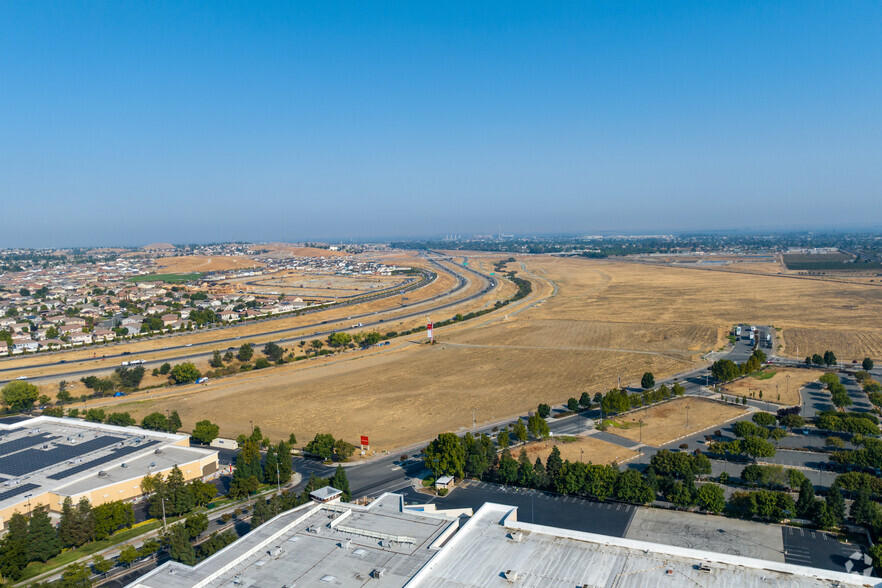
x,y
133,362
738,331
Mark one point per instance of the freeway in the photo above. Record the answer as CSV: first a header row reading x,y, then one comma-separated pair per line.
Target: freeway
x,y
489,283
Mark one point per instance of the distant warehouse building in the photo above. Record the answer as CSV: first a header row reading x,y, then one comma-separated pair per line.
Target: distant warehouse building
x,y
45,460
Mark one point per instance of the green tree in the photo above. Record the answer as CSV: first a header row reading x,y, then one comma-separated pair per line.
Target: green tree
x,y
248,461
554,464
341,482
43,541
174,422
20,396
185,373
196,524
205,432
101,565
572,405
121,419
647,381
339,339
343,449
14,555
285,467
829,357
76,575
508,468
155,421
678,389
273,351
861,510
836,504
867,364
543,411
216,360
270,466
537,426
445,456
321,445
525,470
179,547
764,419
584,400
520,430
246,352
128,555
806,500
165,368
711,497
631,487
503,439
755,447
821,515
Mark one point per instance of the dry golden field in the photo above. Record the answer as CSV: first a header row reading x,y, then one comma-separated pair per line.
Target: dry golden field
x,y
663,423
779,384
586,448
203,263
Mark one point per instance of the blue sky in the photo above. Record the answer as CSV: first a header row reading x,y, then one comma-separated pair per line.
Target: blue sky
x,y
129,123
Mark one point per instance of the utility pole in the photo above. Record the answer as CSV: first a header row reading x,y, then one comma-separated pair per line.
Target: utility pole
x,y
641,430
687,416
162,501
474,417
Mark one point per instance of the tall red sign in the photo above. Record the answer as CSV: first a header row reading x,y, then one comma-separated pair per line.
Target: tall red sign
x,y
365,441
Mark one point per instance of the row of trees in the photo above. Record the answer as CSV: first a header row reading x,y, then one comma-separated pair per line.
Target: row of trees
x,y
34,537
275,468
325,446
828,359
726,370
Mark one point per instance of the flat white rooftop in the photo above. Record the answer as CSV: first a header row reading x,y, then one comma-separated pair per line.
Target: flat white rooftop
x,y
320,545
493,548
70,456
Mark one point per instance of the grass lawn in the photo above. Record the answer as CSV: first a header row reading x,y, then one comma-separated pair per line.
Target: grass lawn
x,y
763,374
170,278
63,559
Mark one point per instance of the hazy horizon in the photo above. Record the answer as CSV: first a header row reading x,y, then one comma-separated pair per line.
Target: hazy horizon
x,y
128,124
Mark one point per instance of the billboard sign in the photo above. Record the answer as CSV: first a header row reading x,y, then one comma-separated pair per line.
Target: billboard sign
x,y
365,441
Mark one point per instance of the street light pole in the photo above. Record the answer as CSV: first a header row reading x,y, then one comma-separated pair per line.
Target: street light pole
x,y
687,416
162,501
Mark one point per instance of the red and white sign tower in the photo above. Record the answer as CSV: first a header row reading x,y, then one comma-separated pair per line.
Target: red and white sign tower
x,y
429,330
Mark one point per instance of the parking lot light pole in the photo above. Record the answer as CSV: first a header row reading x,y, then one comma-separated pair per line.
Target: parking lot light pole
x,y
687,416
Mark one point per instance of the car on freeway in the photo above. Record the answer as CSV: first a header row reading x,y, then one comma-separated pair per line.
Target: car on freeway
x,y
189,345
63,361
126,353
22,378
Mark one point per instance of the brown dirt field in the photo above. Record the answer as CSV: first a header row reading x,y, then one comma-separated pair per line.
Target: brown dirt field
x,y
158,246
595,451
848,344
775,385
663,423
203,263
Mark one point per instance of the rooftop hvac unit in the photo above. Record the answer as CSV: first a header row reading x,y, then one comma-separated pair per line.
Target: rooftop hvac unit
x,y
511,575
378,573
102,474
122,465
158,451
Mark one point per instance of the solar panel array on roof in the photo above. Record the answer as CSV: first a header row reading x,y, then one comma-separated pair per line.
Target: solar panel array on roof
x,y
24,443
16,490
116,454
32,460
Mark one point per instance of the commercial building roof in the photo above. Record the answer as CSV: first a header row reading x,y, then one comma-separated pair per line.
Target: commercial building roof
x,y
494,549
387,544
318,545
69,457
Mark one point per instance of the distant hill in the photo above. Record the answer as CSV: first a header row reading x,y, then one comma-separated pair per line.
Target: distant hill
x,y
158,247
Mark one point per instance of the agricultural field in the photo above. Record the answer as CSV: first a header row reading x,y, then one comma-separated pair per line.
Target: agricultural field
x,y
775,385
203,263
666,422
584,448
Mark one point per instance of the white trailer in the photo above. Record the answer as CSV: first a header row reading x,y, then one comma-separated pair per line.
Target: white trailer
x,y
738,331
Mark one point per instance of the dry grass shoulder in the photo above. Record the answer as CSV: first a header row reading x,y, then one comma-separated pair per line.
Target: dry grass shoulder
x,y
586,448
663,423
778,385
